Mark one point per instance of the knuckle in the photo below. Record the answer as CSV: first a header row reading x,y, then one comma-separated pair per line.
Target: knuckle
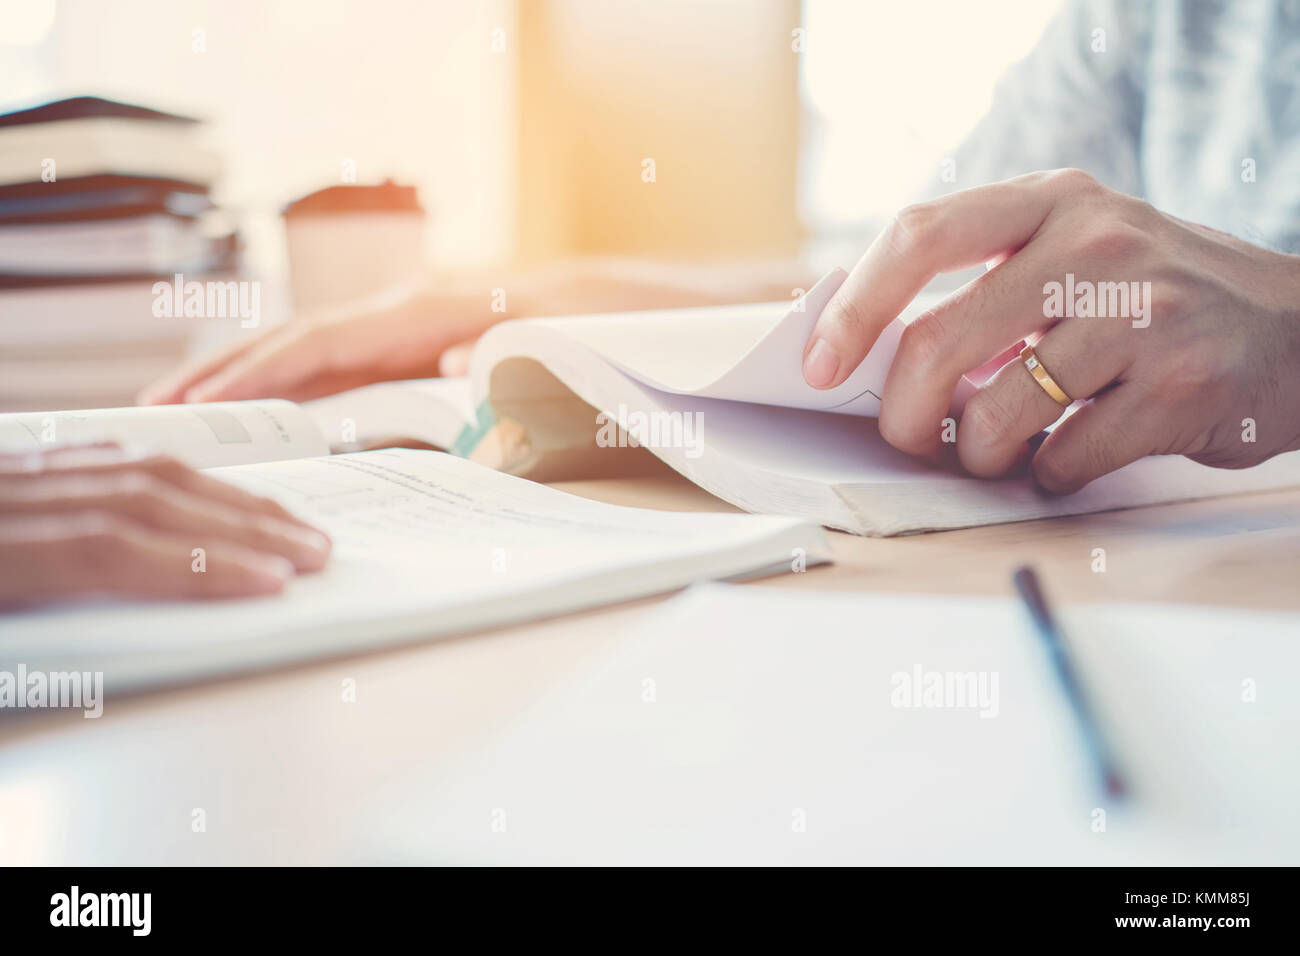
x,y
924,342
1113,241
1053,470
98,541
166,467
1199,374
896,430
1039,177
139,493
1167,304
913,226
1073,180
849,315
97,526
990,419
129,484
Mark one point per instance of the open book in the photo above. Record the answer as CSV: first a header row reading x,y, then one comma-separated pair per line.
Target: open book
x,y
425,544
716,393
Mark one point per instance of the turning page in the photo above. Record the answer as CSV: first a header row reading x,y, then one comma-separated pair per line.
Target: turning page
x,y
751,354
739,353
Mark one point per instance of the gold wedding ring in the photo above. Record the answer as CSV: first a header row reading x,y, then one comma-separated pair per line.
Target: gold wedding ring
x,y
1030,358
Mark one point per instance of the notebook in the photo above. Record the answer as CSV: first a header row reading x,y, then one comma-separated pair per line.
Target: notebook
x,y
759,726
425,544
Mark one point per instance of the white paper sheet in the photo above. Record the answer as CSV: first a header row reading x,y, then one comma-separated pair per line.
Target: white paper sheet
x,y
424,544
759,725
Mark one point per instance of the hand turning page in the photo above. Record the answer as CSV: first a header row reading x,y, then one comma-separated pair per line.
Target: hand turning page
x,y
770,371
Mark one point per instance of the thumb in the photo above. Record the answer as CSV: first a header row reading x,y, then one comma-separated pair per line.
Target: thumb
x,y
455,360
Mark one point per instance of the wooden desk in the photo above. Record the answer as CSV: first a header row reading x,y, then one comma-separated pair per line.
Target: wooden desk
x,y
286,772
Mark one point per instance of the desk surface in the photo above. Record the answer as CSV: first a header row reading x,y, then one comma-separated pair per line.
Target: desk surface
x,y
283,768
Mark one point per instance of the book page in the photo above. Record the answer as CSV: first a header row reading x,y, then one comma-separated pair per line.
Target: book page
x,y
205,436
429,410
743,353
424,544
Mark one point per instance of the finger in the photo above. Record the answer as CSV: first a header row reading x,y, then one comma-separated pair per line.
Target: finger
x,y
175,472
1105,434
331,382
155,504
96,553
366,340
977,322
1083,356
455,361
29,461
109,459
954,232
271,368
171,389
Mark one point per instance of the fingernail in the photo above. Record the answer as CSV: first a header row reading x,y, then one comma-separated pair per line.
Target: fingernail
x,y
266,574
274,567
820,365
308,549
311,539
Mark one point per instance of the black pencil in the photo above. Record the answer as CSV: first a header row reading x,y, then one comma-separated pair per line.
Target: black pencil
x,y
1099,750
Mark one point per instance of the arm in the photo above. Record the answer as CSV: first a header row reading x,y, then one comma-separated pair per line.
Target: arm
x,y
416,333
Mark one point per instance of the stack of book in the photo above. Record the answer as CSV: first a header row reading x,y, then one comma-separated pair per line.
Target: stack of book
x,y
98,201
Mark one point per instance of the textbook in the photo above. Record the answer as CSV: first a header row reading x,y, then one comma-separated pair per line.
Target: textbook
x,y
87,136
715,393
425,544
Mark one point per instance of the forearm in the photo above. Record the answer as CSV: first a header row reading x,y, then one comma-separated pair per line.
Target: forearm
x,y
616,285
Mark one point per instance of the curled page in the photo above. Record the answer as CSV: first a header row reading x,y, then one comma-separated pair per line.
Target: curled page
x,y
771,371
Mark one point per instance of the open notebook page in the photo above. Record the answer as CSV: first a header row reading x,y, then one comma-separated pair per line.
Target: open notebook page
x,y
205,436
424,544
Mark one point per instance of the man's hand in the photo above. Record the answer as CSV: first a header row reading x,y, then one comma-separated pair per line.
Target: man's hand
x,y
1207,365
416,333
97,520
401,335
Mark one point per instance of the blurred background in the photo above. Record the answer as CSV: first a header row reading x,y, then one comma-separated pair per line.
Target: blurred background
x,y
541,130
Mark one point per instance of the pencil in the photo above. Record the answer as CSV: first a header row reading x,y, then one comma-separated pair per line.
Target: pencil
x,y
1099,750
